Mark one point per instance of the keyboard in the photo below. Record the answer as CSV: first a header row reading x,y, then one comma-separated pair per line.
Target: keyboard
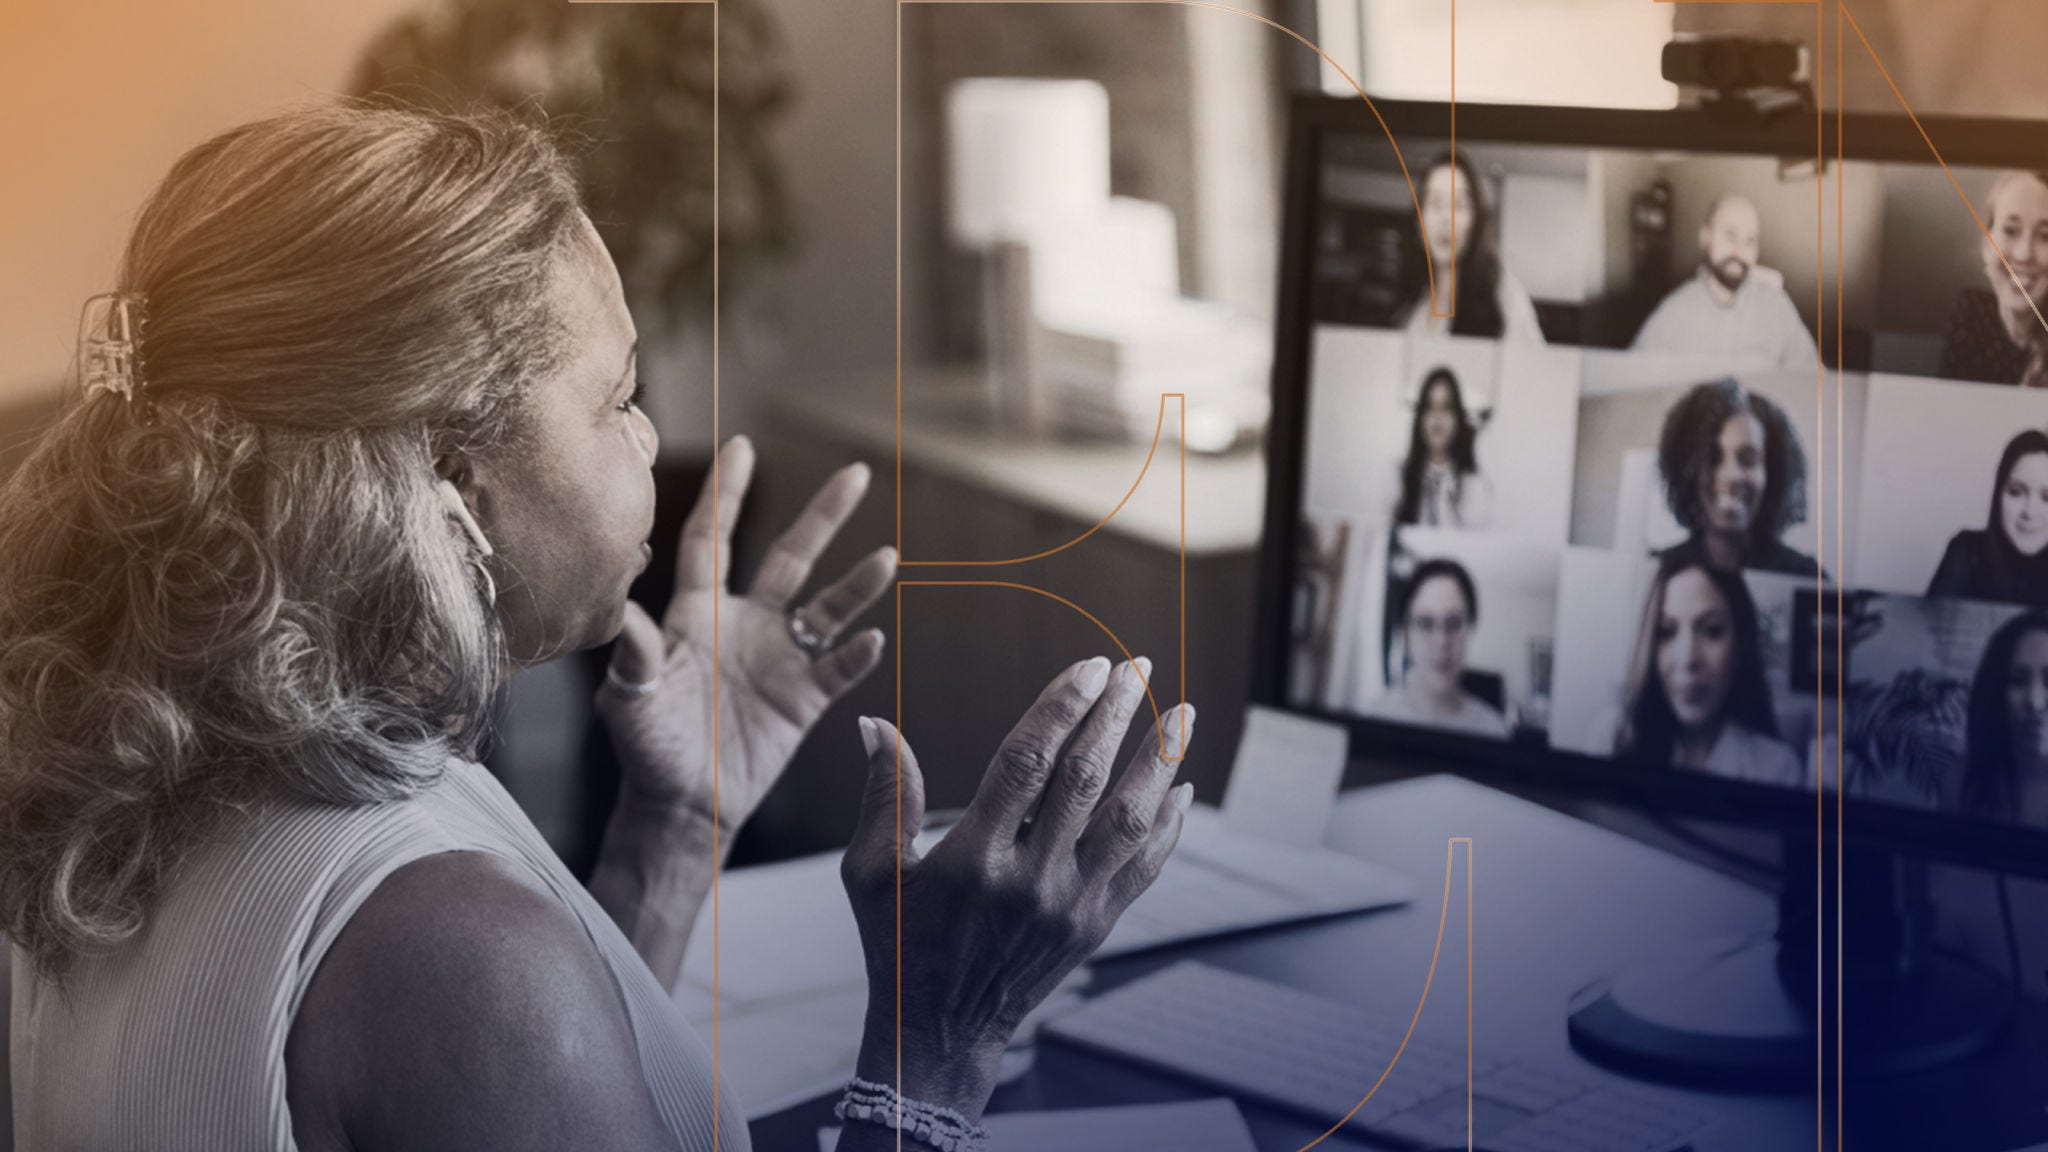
x,y
1266,1042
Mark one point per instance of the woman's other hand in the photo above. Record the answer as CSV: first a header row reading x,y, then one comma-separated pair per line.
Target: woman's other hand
x,y
737,654
980,930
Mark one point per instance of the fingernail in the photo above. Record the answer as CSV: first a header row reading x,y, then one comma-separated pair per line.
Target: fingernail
x,y
1180,724
859,468
869,735
1093,674
1145,667
1183,795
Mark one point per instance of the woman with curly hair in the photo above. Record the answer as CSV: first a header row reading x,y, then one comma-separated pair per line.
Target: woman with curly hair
x,y
360,439
2005,737
1696,696
1735,478
1440,481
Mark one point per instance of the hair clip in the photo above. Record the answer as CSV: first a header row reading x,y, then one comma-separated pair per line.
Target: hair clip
x,y
109,333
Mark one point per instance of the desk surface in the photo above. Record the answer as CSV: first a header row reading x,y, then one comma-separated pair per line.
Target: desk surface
x,y
1557,903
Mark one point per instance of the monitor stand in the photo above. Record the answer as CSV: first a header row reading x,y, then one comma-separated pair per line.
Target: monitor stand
x,y
1743,1015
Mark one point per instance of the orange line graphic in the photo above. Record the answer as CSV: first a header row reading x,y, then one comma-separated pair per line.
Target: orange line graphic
x,y
1157,718
1843,9
1132,491
1443,918
1266,21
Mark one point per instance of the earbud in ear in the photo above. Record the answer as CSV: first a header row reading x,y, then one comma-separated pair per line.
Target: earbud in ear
x,y
460,510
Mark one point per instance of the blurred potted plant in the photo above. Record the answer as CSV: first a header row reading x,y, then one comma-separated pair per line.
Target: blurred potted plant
x,y
631,85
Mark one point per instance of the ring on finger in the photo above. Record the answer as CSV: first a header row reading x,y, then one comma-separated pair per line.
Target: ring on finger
x,y
807,638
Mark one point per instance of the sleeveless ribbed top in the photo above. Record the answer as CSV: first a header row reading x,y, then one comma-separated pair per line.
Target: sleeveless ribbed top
x,y
174,1042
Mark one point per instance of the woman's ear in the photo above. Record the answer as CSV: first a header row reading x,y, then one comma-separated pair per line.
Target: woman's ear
x,y
455,483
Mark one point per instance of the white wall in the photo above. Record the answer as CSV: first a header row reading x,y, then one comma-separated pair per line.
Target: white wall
x,y
102,95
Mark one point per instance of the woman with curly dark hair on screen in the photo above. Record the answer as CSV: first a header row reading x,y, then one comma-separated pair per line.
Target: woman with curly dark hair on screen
x,y
1735,478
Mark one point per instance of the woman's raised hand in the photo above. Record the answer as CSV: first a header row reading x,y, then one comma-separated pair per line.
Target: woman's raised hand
x,y
739,653
981,929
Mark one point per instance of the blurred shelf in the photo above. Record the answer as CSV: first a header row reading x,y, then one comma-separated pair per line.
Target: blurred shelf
x,y
948,430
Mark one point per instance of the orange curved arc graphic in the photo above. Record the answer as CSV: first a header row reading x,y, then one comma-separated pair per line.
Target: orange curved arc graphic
x,y
1158,721
1128,493
1414,198
1443,918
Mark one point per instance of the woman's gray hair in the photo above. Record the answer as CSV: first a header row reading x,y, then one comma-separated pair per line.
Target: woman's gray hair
x,y
243,578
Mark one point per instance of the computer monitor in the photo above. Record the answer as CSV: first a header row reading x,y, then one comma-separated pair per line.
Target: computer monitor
x,y
1577,478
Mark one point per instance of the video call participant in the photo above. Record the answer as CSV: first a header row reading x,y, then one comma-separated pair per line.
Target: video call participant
x,y
1696,694
1735,478
1440,481
1732,305
1437,615
1463,240
2007,560
2005,757
1994,334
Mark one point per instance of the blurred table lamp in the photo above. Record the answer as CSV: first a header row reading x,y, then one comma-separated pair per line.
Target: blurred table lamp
x,y
1025,158
1082,315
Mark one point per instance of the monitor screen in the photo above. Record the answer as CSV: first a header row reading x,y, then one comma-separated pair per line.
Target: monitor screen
x,y
1589,476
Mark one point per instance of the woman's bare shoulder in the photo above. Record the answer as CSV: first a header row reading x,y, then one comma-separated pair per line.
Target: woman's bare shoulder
x,y
464,1006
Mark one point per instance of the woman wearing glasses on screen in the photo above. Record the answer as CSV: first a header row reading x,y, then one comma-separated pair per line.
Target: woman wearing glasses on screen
x,y
1696,695
1462,234
1735,478
1438,612
360,439
1440,481
2007,560
2005,745
1995,333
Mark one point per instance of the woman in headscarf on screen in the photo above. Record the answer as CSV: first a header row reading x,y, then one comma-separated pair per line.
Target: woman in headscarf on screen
x,y
1461,232
1696,696
2007,560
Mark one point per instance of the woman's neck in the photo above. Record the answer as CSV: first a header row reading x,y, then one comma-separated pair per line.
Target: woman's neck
x,y
1724,549
1441,701
2022,326
1692,746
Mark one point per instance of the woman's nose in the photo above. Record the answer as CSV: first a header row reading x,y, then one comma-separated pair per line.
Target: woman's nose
x,y
649,439
2037,697
1688,652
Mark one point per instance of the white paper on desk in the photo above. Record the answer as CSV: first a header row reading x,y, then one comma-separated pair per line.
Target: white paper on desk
x,y
1284,780
1185,1126
1221,880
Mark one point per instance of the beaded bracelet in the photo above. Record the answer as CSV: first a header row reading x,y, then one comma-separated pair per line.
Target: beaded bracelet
x,y
942,1128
